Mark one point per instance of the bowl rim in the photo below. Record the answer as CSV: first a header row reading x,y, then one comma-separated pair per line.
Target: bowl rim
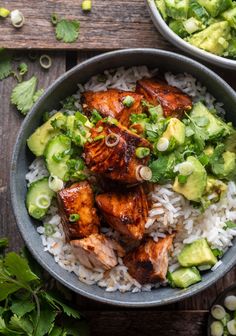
x,y
13,185
172,37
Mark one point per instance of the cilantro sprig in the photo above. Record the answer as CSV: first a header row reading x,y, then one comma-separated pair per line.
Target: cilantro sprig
x,y
27,307
66,30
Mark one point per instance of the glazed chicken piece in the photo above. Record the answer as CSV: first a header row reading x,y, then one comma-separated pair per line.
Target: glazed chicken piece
x,y
173,101
110,103
78,201
97,252
149,262
112,152
126,212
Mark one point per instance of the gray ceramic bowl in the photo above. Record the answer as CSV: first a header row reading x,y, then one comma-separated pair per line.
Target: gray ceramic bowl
x,y
67,85
185,46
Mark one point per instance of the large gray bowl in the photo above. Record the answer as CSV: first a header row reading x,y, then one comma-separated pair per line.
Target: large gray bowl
x,y
164,29
67,85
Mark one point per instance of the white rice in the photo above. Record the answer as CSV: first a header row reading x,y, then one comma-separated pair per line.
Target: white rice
x,y
170,212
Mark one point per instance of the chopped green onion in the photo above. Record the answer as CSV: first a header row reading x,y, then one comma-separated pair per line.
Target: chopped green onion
x,y
230,302
86,5
128,101
218,312
74,218
162,144
112,140
23,69
99,129
42,201
182,179
217,328
45,61
49,230
17,18
99,137
142,152
95,117
231,326
4,12
143,173
185,168
55,183
204,159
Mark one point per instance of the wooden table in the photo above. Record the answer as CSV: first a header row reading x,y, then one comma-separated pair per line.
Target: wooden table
x,y
111,25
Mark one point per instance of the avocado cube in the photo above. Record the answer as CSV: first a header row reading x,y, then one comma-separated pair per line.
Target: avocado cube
x,y
185,277
229,163
230,17
213,39
196,254
195,185
176,130
215,7
161,7
38,140
177,9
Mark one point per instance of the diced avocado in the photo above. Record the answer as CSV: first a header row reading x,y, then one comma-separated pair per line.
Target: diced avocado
x,y
195,185
192,25
177,9
162,8
196,254
39,139
229,163
57,153
38,198
213,39
176,130
215,188
230,16
178,28
185,277
231,50
215,7
230,142
213,125
198,11
209,150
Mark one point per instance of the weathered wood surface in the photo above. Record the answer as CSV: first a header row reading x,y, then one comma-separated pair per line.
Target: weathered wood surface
x,y
104,319
110,25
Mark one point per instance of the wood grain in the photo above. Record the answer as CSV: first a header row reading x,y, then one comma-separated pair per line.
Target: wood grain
x,y
110,25
11,120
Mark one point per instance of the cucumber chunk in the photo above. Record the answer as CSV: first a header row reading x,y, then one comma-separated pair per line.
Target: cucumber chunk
x,y
184,277
177,9
198,11
57,153
196,254
38,198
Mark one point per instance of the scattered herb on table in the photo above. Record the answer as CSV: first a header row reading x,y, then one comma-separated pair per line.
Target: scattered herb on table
x,y
86,5
27,307
25,94
66,30
5,64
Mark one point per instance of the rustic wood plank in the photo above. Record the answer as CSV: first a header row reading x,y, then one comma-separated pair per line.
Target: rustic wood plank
x,y
10,123
110,25
146,323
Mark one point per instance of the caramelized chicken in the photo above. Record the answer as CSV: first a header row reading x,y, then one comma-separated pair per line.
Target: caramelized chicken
x,y
110,103
117,162
149,262
78,200
97,252
172,100
126,212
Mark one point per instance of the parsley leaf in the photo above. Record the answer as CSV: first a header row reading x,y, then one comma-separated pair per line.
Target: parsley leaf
x,y
24,95
5,64
67,30
21,324
21,307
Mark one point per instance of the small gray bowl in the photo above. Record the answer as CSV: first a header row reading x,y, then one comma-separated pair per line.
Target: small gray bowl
x,y
67,85
164,29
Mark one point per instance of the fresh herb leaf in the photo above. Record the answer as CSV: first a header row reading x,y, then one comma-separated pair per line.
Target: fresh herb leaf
x,y
54,300
67,30
217,253
46,319
7,288
21,324
163,169
5,64
95,117
21,307
24,95
230,225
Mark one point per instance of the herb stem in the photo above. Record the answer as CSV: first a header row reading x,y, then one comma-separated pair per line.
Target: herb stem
x,y
38,310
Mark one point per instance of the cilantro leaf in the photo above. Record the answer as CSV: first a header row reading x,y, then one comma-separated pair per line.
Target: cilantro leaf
x,y
54,300
24,95
230,225
7,288
163,168
21,324
5,64
18,267
46,319
67,30
20,307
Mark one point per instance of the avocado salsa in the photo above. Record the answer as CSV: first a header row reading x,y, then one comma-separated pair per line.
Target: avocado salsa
x,y
207,24
194,152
